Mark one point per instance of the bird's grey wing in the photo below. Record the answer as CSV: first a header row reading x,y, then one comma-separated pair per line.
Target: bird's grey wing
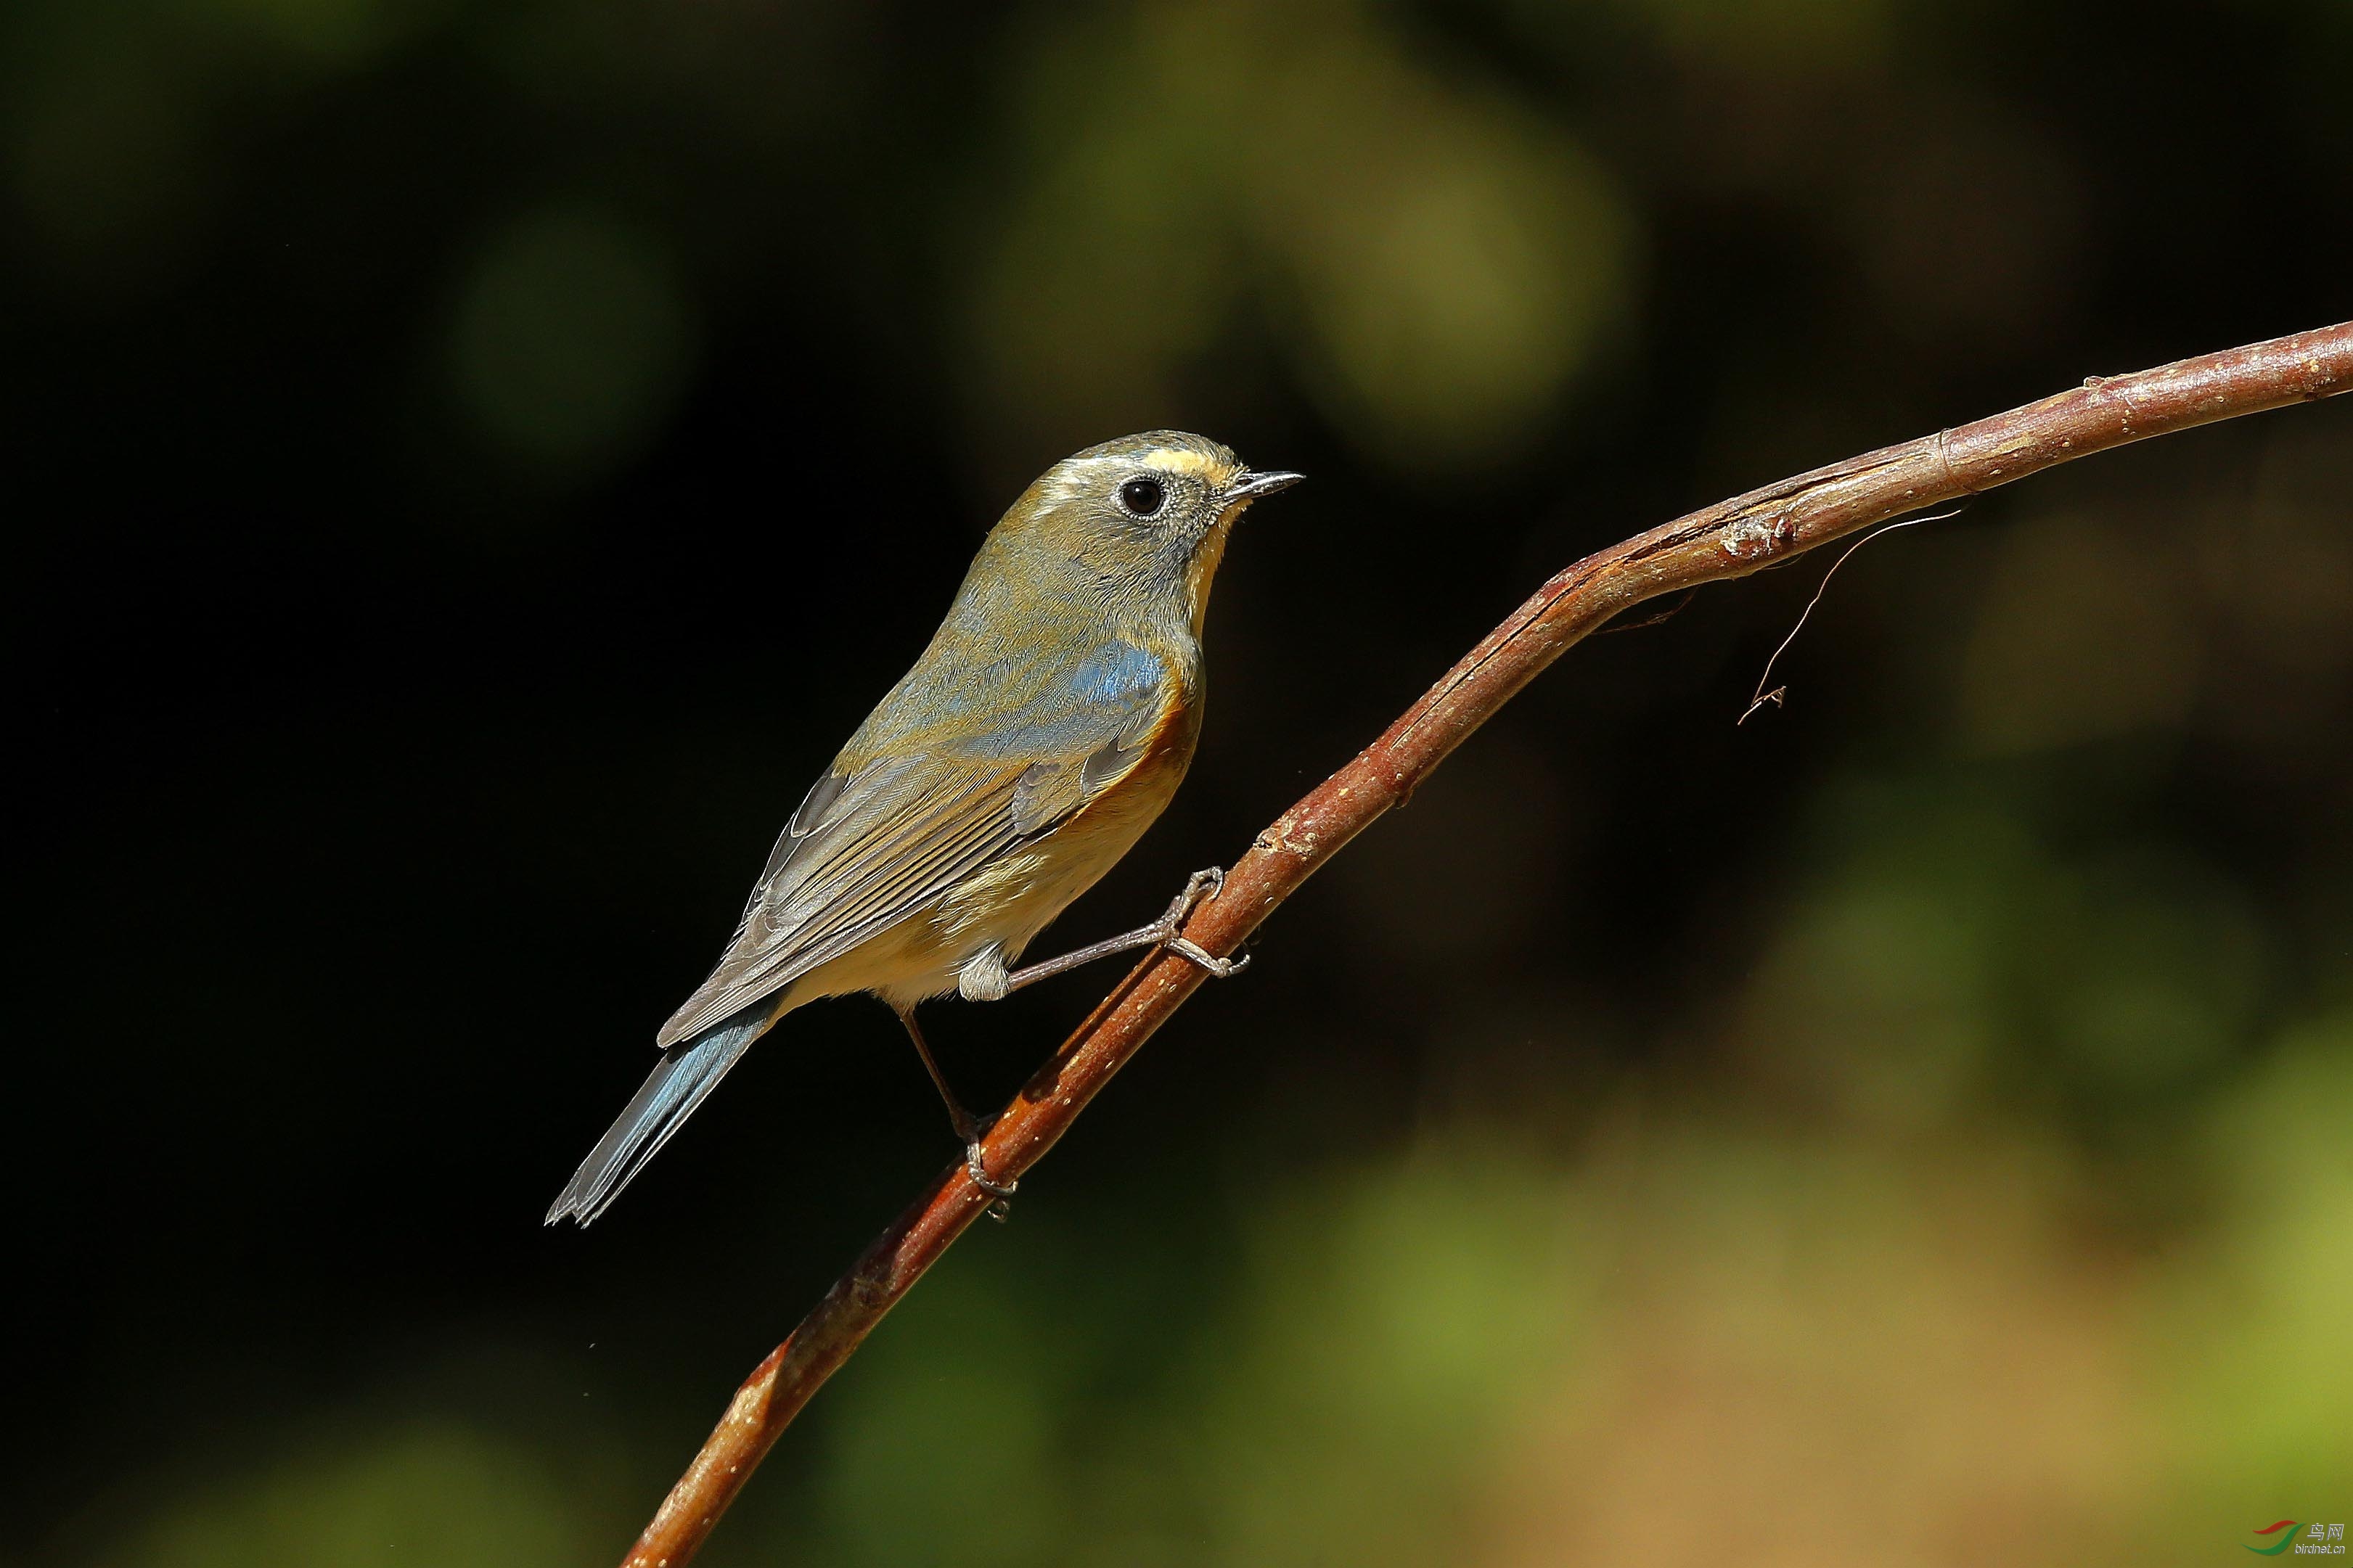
x,y
870,848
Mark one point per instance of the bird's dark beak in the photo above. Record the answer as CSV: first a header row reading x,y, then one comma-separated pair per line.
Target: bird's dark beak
x,y
1250,487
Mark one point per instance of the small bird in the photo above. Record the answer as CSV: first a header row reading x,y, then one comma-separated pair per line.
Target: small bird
x,y
1039,734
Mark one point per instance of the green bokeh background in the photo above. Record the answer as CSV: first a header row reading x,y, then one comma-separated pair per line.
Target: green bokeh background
x,y
471,465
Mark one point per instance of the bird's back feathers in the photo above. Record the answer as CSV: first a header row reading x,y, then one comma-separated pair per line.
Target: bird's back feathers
x,y
883,841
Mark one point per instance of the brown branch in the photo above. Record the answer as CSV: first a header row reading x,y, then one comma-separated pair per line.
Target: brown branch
x,y
1731,539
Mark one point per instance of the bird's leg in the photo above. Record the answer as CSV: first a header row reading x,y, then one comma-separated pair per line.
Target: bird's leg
x,y
985,979
986,988
969,1128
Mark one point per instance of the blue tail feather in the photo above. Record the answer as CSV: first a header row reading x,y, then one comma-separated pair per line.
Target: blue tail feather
x,y
688,1072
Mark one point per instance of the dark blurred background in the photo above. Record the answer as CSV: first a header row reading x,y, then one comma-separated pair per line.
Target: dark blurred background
x,y
473,465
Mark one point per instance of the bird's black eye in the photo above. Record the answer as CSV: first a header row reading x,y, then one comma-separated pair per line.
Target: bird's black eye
x,y
1145,497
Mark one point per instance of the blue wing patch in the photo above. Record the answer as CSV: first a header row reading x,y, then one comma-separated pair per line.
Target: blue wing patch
x,y
1094,707
1119,674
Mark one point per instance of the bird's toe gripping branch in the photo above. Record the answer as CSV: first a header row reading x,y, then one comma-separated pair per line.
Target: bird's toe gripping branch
x,y
1200,887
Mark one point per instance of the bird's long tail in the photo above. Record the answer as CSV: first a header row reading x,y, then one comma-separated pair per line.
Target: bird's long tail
x,y
688,1072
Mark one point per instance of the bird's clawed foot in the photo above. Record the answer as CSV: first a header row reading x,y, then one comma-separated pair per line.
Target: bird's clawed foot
x,y
979,1173
1200,886
972,1131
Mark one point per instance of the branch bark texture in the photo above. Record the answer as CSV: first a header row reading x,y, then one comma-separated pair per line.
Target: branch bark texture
x,y
1730,538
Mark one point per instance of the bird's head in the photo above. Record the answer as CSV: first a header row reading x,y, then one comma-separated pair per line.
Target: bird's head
x,y
1142,521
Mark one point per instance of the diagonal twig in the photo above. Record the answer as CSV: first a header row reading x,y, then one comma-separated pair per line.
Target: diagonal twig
x,y
1730,538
